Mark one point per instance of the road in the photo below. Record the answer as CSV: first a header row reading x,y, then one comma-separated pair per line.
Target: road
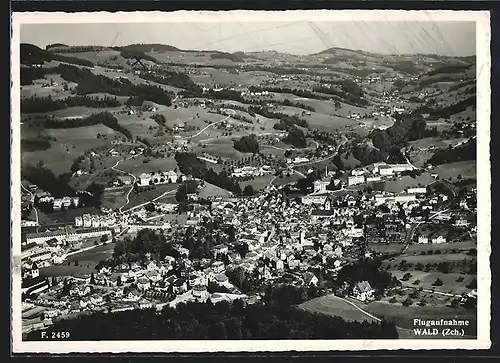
x,y
32,196
149,201
292,149
232,112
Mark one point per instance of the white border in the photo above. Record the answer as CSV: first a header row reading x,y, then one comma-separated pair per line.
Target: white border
x,y
482,20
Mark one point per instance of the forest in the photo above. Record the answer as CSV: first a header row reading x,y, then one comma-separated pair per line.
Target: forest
x,y
407,127
222,320
296,138
465,152
104,118
89,82
247,144
45,179
350,93
175,79
31,54
47,104
29,145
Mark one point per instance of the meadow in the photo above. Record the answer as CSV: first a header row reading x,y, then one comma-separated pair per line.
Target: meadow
x,y
458,170
335,306
69,145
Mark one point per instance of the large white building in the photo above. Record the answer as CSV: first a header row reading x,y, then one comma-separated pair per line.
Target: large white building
x,y
67,235
158,178
314,199
320,185
354,180
416,190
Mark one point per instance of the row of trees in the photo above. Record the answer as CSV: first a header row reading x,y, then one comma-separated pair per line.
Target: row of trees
x,y
218,321
31,54
47,104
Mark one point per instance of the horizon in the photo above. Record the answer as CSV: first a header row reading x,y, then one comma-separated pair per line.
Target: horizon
x,y
445,38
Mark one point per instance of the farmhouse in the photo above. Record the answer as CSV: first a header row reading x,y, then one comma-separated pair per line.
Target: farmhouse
x,y
363,291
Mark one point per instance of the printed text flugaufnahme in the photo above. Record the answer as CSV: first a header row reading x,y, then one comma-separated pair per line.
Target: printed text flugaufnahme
x,y
440,322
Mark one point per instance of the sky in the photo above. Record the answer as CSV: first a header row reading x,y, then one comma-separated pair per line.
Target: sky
x,y
452,38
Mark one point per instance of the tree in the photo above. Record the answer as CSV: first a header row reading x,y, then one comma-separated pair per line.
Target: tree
x,y
312,292
407,302
150,207
92,279
247,144
242,249
296,137
438,282
248,190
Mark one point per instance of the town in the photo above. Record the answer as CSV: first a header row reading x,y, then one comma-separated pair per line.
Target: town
x,y
262,180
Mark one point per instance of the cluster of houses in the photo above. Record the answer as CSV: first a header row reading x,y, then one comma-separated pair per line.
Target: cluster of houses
x,y
155,178
95,221
58,203
251,171
361,176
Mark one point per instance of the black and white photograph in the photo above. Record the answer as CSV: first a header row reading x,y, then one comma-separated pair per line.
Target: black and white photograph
x,y
250,181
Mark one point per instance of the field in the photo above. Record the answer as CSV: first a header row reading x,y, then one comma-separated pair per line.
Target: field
x,y
146,196
466,169
210,190
68,270
335,306
220,147
259,182
136,165
137,125
400,184
70,214
99,253
69,145
453,283
287,179
114,198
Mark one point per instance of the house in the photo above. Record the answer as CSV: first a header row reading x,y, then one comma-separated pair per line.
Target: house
x,y
439,239
143,283
310,279
200,292
423,239
363,291
180,286
145,304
